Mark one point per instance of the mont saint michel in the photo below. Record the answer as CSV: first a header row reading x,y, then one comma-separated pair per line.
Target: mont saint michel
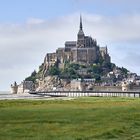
x,y
73,70
81,65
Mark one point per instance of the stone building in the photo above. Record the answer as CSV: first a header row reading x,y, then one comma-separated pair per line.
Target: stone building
x,y
83,51
14,88
24,87
76,85
125,86
104,54
82,84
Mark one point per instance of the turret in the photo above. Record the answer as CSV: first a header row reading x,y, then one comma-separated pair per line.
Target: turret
x,y
14,88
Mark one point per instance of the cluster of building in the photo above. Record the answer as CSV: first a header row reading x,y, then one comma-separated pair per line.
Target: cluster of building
x,y
131,83
116,77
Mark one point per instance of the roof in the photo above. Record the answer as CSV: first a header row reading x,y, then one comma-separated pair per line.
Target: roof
x,y
103,48
80,32
70,43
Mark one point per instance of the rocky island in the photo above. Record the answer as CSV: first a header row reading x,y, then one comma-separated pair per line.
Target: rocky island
x,y
79,65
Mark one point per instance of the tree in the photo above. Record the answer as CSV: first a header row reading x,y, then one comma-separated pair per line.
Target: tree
x,y
33,77
97,69
54,71
34,73
97,77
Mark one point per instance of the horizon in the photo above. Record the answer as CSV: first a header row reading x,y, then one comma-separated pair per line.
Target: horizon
x,y
30,29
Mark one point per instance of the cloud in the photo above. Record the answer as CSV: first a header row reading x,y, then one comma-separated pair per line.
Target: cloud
x,y
32,21
134,2
115,29
23,46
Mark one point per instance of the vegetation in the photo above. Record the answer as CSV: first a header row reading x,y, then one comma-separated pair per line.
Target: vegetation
x,y
71,71
33,77
124,70
40,71
80,119
54,70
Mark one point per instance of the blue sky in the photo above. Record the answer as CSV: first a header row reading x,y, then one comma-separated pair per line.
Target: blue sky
x,y
20,10
31,28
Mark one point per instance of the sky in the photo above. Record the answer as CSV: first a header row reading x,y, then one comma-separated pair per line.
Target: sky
x,y
31,28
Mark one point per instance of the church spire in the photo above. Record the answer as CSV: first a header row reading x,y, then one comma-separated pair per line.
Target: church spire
x,y
80,36
81,26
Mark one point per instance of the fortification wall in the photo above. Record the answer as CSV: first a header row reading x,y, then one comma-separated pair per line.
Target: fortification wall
x,y
115,88
107,88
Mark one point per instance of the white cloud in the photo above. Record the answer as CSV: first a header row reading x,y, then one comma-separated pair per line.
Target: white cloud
x,y
132,2
115,29
32,21
23,46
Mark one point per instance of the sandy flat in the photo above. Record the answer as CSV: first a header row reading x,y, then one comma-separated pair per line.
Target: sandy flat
x,y
30,96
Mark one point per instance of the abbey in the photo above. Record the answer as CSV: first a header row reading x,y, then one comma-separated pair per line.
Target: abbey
x,y
83,51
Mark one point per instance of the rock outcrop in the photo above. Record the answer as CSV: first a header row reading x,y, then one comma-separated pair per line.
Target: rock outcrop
x,y
52,83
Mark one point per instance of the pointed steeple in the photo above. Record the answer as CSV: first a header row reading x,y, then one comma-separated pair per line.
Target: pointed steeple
x,y
80,36
81,26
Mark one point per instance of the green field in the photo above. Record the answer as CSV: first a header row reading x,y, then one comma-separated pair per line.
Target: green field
x,y
79,119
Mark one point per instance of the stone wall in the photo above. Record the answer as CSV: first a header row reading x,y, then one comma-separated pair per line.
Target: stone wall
x,y
107,88
115,88
76,85
25,86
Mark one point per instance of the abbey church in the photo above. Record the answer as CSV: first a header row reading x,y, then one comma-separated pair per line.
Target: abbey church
x,y
84,51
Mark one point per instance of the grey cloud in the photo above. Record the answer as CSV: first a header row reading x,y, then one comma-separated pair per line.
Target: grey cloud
x,y
115,29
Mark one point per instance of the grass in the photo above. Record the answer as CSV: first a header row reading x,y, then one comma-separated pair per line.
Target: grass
x,y
80,119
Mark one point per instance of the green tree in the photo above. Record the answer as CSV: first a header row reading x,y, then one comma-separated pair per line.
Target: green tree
x,y
97,69
97,77
33,77
124,70
54,71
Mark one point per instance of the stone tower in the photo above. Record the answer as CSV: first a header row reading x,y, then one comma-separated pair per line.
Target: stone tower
x,y
14,88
